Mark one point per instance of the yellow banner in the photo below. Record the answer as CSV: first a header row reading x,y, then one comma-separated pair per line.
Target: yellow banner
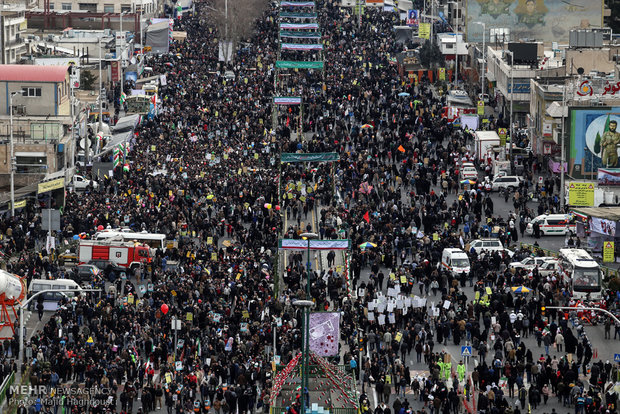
x,y
51,185
580,194
424,30
608,252
20,204
441,73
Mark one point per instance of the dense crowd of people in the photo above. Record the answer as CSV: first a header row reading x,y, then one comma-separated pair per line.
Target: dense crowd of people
x,y
391,186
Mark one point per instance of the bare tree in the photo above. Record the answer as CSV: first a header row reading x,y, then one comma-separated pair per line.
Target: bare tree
x,y
234,20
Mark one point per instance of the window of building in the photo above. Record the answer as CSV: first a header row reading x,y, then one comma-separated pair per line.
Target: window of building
x,y
66,6
31,162
108,8
125,8
91,7
51,6
31,92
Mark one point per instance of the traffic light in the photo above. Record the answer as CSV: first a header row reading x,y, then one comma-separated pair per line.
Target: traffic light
x,y
362,343
542,310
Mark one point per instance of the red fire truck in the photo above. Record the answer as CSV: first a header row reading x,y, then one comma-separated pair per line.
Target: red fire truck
x,y
116,254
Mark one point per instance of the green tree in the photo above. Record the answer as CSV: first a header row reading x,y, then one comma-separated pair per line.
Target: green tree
x,y
430,55
597,144
87,80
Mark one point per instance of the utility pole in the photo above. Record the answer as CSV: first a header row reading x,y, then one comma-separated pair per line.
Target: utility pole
x,y
12,164
432,19
563,150
484,57
100,89
512,92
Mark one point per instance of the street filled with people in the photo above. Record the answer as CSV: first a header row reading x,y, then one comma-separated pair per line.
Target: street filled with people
x,y
197,336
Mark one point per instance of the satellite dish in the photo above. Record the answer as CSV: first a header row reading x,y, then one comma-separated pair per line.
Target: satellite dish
x,y
84,142
580,71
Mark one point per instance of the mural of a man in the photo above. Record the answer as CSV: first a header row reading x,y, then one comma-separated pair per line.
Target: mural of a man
x,y
610,142
495,8
531,12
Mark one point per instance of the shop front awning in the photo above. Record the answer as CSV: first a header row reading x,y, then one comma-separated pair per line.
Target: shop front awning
x,y
608,213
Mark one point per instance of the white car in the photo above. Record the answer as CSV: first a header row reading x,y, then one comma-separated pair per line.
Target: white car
x,y
548,268
508,181
530,263
469,173
488,245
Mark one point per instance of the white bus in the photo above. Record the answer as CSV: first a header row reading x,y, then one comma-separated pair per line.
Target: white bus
x,y
154,240
582,272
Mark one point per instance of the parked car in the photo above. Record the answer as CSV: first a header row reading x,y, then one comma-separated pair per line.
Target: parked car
x,y
469,172
86,272
510,182
548,268
530,263
67,259
81,183
488,245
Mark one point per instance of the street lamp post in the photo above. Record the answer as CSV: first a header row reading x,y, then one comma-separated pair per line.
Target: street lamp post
x,y
12,165
305,344
456,53
121,56
563,151
484,58
22,305
512,92
306,304
100,97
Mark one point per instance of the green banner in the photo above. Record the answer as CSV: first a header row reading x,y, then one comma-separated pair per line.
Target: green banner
x,y
300,34
309,157
298,15
290,64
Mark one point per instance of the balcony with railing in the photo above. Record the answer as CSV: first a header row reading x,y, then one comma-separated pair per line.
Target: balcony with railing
x,y
32,132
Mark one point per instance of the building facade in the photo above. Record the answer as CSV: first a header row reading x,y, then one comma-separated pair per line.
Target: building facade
x,y
13,26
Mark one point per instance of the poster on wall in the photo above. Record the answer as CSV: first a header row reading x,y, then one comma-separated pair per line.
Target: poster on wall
x,y
603,226
413,18
325,333
608,176
546,20
594,141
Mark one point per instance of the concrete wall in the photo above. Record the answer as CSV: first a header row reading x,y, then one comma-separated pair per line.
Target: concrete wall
x,y
590,60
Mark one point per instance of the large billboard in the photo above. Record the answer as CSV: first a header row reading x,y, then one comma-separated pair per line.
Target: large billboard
x,y
594,141
546,20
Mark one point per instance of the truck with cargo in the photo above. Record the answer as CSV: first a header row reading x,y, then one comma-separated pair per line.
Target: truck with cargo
x,y
111,254
484,142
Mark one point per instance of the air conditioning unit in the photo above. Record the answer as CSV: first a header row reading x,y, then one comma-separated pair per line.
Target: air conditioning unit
x,y
19,109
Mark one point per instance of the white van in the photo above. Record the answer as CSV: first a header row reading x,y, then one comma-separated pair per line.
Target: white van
x,y
455,261
552,224
51,299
